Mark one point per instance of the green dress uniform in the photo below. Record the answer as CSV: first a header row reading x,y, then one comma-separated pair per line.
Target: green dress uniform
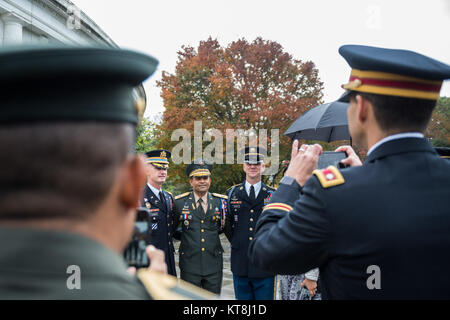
x,y
200,250
43,264
83,84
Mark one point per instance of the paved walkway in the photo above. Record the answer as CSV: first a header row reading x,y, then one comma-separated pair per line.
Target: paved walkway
x,y
227,292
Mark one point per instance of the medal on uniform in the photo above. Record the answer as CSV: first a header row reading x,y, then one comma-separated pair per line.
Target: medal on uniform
x,y
186,220
267,199
147,204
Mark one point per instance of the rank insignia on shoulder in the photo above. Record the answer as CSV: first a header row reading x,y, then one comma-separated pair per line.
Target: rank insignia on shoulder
x,y
329,177
182,195
233,186
218,195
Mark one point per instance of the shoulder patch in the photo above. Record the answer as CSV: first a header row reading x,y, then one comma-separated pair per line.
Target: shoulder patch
x,y
329,177
182,195
218,195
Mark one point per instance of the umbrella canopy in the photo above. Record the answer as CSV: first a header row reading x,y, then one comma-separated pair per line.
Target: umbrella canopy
x,y
327,122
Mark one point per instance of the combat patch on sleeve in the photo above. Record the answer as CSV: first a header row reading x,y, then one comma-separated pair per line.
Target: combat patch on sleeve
x,y
329,177
182,195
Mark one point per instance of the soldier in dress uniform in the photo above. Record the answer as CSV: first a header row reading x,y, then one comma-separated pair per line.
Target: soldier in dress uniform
x,y
246,201
373,229
70,210
201,216
69,194
160,203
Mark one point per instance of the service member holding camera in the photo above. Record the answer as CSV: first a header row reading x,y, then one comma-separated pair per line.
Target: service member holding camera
x,y
372,229
70,181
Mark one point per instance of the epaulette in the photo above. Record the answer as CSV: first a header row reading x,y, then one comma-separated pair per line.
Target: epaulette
x,y
166,287
169,193
271,188
329,177
218,195
182,195
233,186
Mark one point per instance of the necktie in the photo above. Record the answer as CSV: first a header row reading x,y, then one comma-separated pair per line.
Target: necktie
x,y
163,200
252,193
200,206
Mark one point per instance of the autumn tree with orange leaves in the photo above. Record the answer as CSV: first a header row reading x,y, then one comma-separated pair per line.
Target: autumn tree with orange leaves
x,y
246,86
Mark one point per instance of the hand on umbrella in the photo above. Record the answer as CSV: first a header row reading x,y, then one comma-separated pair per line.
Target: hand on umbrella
x,y
303,161
352,158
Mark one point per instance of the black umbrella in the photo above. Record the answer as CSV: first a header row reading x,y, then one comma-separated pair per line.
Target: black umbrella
x,y
327,122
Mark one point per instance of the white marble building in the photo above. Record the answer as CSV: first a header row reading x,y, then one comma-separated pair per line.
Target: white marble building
x,y
46,21
41,21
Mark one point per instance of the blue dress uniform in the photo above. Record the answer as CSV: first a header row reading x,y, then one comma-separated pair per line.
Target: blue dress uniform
x,y
161,212
250,281
386,222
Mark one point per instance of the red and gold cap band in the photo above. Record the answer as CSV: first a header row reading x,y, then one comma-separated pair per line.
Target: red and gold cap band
x,y
393,85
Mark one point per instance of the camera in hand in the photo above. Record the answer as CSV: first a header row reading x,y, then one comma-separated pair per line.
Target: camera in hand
x,y
330,158
134,253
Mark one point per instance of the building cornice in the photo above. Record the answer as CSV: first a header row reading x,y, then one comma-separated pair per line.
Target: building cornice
x,y
49,17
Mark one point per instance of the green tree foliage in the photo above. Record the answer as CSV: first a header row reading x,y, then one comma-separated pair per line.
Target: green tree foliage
x,y
145,136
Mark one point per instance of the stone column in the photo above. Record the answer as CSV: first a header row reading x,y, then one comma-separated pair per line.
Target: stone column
x,y
12,29
1,31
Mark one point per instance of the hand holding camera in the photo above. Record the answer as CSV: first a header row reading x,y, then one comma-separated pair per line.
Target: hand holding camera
x,y
303,161
307,158
140,253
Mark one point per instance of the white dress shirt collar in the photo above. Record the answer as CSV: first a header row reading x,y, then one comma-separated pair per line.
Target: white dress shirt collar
x,y
257,187
154,190
395,137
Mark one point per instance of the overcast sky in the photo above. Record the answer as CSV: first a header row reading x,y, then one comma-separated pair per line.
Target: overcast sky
x,y
307,29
